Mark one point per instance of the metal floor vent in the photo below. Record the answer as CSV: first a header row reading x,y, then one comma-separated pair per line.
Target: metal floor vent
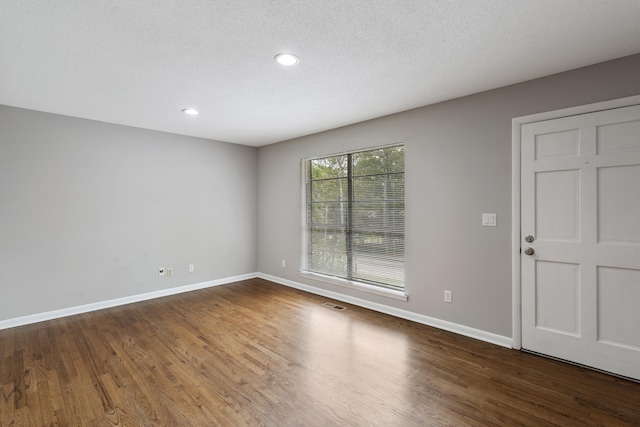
x,y
334,306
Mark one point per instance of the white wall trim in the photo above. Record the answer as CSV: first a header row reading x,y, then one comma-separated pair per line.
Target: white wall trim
x,y
516,298
362,287
404,314
70,311
516,125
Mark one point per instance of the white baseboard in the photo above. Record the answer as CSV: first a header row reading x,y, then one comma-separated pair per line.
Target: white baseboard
x,y
404,314
64,312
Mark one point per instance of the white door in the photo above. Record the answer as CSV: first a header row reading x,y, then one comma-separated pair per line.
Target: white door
x,y
580,201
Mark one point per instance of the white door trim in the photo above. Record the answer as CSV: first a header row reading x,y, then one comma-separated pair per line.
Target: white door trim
x,y
516,124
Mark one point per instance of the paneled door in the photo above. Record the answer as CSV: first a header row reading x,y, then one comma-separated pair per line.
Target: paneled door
x,y
580,231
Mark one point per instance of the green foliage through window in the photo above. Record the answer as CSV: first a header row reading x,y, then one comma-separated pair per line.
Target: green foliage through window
x,y
355,216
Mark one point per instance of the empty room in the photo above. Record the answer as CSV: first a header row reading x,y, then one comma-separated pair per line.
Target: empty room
x,y
338,213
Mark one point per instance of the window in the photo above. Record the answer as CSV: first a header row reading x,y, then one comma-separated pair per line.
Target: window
x,y
354,226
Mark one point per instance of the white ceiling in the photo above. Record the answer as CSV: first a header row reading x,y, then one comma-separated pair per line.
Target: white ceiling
x,y
139,63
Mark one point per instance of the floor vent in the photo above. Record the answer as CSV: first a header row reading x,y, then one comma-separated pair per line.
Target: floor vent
x,y
334,306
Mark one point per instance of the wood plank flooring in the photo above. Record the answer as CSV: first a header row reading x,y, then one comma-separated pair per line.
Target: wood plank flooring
x,y
255,353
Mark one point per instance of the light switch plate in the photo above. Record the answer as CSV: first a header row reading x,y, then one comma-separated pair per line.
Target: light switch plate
x,y
488,220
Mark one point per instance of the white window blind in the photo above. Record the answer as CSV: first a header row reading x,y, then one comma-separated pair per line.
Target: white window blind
x,y
355,216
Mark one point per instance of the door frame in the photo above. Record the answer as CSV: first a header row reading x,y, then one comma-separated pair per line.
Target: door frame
x,y
516,124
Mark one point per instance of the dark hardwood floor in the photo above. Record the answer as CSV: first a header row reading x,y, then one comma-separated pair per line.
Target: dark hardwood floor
x,y
259,354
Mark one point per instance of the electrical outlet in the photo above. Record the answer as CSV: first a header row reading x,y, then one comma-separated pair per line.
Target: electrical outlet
x,y
162,271
192,268
284,263
448,296
169,271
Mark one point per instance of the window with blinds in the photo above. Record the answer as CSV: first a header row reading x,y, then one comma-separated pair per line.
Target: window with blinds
x,y
355,216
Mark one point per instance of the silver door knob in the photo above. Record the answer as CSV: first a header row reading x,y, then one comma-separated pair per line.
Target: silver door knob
x,y
529,239
529,251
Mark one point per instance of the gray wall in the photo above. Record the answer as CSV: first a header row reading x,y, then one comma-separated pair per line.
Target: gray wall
x,y
89,211
458,165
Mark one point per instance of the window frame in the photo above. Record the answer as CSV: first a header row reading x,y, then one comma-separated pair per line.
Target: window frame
x,y
369,287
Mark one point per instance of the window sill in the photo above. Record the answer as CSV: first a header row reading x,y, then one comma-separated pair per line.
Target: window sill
x,y
372,289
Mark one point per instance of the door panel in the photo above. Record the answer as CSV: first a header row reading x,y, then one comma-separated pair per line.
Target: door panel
x,y
619,295
619,137
558,297
618,199
557,210
557,144
580,200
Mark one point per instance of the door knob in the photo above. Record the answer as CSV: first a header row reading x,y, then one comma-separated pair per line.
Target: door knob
x,y
529,239
529,251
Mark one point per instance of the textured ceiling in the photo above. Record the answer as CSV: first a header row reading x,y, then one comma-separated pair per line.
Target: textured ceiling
x,y
140,62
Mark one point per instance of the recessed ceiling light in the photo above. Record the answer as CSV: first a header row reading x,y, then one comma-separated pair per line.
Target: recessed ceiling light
x,y
286,59
190,111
